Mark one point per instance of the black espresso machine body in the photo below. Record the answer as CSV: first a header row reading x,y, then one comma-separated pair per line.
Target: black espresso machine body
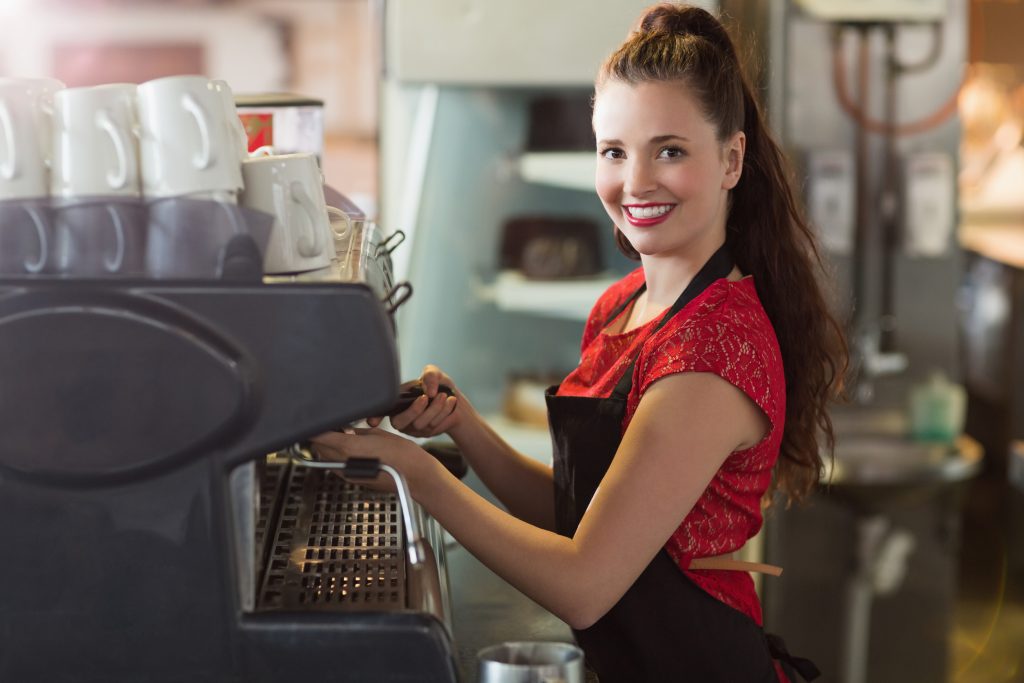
x,y
128,410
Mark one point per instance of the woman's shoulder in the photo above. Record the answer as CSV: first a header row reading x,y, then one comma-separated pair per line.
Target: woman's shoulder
x,y
620,290
727,332
727,304
726,319
610,299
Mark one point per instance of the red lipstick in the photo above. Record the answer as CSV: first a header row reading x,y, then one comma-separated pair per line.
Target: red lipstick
x,y
646,222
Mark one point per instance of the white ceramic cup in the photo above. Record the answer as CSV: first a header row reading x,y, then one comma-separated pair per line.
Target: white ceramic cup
x,y
26,131
96,149
101,238
290,187
237,129
187,145
26,238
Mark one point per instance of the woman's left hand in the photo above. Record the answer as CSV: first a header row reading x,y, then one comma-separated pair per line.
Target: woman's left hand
x,y
389,448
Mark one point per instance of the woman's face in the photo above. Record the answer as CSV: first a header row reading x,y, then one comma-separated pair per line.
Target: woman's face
x,y
662,174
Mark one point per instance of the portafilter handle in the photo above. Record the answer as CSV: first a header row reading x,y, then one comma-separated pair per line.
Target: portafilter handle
x,y
369,468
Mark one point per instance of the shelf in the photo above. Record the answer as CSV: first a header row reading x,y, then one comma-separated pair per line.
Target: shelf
x,y
567,299
572,170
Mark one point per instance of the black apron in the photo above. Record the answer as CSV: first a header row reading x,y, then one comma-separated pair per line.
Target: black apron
x,y
665,628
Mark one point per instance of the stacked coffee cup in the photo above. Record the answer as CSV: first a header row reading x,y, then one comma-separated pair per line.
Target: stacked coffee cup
x,y
95,183
290,187
191,147
26,116
147,180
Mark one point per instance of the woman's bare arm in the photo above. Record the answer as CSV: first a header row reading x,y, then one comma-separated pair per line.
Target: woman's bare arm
x,y
685,427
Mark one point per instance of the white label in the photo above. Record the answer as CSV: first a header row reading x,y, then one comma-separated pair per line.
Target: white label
x,y
929,204
831,198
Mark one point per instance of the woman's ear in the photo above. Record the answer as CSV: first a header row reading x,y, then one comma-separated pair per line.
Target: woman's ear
x,y
734,150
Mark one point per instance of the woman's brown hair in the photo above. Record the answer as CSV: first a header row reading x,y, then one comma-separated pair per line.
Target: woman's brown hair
x,y
766,231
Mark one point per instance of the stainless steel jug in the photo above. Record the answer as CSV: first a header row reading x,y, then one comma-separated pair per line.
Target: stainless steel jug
x,y
531,662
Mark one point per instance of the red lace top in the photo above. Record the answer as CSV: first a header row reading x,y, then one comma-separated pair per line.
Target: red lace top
x,y
726,331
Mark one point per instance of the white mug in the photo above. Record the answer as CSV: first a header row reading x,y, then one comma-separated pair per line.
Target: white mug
x,y
290,187
187,145
99,239
26,130
96,150
26,238
236,128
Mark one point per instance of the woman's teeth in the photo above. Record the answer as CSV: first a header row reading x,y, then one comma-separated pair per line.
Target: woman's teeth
x,y
648,211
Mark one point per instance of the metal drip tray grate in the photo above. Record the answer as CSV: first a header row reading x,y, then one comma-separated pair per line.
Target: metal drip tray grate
x,y
336,547
272,476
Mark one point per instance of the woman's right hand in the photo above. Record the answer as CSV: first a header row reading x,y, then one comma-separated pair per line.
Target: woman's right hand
x,y
431,414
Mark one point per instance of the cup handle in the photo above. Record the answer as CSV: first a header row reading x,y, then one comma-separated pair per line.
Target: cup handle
x,y
204,159
114,265
37,220
119,178
308,248
335,212
9,169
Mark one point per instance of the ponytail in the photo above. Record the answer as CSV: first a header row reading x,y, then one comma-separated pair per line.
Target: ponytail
x,y
766,230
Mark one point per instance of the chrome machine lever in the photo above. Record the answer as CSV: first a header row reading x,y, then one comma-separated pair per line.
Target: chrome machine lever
x,y
369,468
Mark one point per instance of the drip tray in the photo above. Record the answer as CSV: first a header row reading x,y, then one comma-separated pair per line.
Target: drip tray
x,y
333,547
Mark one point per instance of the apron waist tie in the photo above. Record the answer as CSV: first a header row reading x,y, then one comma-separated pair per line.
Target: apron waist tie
x,y
729,563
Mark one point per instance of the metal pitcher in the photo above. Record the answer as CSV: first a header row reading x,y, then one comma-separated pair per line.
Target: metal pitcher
x,y
531,662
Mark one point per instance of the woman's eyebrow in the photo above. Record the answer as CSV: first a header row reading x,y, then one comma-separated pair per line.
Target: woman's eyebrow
x,y
655,140
666,138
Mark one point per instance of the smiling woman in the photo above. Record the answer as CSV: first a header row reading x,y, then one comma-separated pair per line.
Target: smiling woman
x,y
703,382
661,164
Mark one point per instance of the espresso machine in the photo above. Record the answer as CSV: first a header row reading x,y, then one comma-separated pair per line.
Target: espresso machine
x,y
160,522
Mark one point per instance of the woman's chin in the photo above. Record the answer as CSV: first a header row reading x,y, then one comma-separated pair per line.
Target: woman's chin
x,y
645,248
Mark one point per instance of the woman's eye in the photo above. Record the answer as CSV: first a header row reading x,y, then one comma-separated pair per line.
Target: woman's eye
x,y
671,153
612,153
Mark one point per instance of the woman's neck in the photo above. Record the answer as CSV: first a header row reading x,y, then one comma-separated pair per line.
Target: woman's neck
x,y
668,275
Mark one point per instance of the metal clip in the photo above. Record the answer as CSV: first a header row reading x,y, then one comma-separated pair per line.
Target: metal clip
x,y
397,296
385,248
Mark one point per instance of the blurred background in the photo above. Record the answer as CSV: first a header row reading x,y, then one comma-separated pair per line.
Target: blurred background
x,y
465,123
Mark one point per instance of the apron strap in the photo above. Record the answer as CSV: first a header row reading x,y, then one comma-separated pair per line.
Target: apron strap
x,y
718,266
621,307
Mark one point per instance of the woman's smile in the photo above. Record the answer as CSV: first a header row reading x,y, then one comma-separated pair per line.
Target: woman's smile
x,y
646,215
657,152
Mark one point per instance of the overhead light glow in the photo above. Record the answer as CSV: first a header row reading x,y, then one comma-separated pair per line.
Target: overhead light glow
x,y
9,8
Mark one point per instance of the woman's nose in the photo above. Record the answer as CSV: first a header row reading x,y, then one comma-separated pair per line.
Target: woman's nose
x,y
640,179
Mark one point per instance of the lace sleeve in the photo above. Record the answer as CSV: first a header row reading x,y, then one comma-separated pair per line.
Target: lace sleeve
x,y
724,336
